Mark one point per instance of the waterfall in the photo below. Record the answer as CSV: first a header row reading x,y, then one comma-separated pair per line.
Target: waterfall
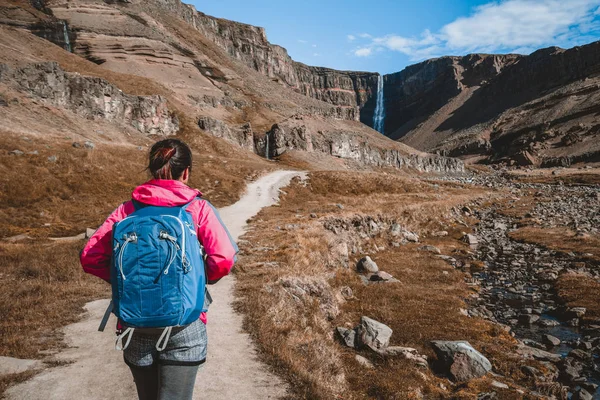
x,y
379,115
267,146
66,35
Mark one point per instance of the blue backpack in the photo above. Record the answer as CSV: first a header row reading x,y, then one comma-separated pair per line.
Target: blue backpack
x,y
157,274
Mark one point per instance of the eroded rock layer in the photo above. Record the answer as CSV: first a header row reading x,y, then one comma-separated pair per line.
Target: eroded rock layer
x,y
91,98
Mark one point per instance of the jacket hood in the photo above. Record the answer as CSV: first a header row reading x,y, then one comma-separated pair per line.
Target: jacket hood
x,y
164,193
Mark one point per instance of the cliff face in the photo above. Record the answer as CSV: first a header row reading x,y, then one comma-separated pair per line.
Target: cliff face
x,y
418,92
538,109
91,98
355,91
353,147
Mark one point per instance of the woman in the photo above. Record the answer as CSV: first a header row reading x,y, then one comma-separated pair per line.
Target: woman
x,y
168,373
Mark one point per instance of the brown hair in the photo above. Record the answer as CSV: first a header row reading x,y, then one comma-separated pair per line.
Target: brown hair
x,y
169,158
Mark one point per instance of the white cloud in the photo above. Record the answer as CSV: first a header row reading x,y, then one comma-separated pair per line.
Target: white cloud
x,y
351,38
302,41
316,54
314,45
506,26
363,52
365,36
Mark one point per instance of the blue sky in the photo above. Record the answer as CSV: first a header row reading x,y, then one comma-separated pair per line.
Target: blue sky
x,y
387,35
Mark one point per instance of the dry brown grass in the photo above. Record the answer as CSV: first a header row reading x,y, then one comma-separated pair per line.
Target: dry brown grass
x,y
295,327
578,290
559,239
566,176
44,288
43,199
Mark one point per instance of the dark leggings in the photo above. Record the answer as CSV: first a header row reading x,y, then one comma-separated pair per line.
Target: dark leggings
x,y
165,382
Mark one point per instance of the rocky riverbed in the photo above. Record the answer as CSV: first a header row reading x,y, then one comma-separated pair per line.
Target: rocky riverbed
x,y
515,282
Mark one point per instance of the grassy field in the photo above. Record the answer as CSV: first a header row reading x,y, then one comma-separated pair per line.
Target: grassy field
x,y
294,282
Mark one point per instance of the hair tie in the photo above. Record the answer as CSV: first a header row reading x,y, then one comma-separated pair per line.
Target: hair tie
x,y
166,153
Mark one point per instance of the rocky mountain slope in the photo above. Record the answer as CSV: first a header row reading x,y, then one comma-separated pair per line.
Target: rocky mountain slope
x,y
526,110
202,63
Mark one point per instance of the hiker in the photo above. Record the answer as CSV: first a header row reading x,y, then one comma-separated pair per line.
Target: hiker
x,y
158,280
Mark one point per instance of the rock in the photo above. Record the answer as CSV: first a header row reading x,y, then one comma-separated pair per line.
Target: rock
x,y
92,97
582,394
528,319
569,374
313,215
347,292
531,371
576,312
581,355
440,234
76,145
365,264
53,159
538,354
499,385
364,361
551,340
373,334
16,153
89,145
341,207
487,396
410,236
431,249
460,360
589,386
470,239
407,352
382,276
348,336
525,158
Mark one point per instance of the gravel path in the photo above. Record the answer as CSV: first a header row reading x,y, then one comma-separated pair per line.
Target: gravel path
x,y
232,371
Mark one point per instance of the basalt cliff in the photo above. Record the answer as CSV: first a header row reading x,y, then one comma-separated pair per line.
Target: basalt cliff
x,y
535,110
220,76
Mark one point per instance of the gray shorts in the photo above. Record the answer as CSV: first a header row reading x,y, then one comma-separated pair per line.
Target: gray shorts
x,y
186,346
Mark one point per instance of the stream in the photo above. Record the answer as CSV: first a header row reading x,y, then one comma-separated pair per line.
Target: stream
x,y
517,288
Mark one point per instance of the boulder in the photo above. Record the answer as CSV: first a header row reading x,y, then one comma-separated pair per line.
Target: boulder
x,y
582,394
365,264
431,249
373,334
348,336
410,236
460,360
528,319
382,276
538,354
470,239
576,312
551,340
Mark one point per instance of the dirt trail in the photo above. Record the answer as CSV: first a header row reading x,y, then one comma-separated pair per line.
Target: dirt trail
x,y
232,371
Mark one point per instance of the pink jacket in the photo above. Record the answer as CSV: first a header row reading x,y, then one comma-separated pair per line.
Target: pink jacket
x,y
218,244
